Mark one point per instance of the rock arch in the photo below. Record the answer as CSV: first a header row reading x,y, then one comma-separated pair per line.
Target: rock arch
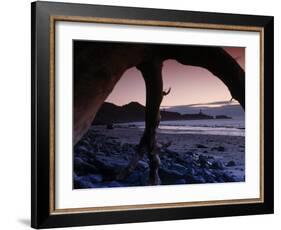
x,y
99,66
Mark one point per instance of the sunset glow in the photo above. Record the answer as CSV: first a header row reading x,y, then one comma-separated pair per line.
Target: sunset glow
x,y
189,84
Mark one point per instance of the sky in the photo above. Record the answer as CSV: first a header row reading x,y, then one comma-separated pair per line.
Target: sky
x,y
189,84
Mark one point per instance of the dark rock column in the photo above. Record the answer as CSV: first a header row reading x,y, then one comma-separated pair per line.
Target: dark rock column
x,y
152,74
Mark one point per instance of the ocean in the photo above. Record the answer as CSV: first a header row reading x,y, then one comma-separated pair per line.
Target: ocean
x,y
225,127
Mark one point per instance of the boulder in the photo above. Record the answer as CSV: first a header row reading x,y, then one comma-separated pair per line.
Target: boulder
x,y
169,176
142,165
110,165
134,178
179,168
217,165
203,161
200,146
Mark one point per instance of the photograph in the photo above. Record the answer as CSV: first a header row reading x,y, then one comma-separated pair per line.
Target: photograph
x,y
157,114
142,114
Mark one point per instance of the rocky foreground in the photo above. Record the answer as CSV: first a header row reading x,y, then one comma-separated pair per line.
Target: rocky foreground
x,y
190,159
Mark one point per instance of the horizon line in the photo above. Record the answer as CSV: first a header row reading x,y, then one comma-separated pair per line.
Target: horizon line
x,y
229,102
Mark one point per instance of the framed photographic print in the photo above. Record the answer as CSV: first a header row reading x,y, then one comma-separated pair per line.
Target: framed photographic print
x,y
147,114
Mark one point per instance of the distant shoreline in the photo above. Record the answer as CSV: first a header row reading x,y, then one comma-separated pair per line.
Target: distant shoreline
x,y
135,112
221,127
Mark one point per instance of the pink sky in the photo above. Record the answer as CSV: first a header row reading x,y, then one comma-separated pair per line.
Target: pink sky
x,y
189,84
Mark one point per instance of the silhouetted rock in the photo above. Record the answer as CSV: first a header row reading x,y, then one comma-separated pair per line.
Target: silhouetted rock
x,y
201,146
222,117
111,114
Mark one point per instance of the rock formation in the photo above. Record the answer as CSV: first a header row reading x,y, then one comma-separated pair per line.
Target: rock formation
x,y
99,66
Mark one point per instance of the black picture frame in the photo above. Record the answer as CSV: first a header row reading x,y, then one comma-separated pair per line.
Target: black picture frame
x,y
41,35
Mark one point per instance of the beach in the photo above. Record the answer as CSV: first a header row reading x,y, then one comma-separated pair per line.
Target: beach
x,y
189,158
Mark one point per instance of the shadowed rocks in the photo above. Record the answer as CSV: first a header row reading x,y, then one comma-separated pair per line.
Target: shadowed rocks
x,y
99,170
